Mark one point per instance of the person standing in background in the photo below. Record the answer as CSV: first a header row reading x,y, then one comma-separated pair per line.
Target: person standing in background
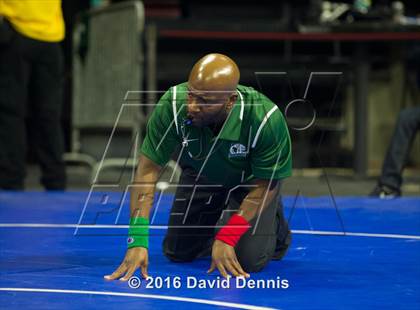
x,y
390,181
31,76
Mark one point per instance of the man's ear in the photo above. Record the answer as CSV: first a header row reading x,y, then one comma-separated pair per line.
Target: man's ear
x,y
232,100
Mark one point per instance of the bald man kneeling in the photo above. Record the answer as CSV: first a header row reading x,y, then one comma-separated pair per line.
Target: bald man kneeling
x,y
234,149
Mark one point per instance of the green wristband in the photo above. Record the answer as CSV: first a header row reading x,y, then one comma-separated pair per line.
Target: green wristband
x,y
138,233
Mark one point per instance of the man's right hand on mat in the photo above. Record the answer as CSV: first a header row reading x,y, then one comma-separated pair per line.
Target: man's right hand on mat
x,y
134,258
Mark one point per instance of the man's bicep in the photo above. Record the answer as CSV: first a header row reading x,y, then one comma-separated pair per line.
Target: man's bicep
x,y
266,184
148,165
147,170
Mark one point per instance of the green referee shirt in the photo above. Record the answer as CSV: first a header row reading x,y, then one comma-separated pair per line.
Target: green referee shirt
x,y
254,141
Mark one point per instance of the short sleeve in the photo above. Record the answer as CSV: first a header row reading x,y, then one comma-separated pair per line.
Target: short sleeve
x,y
161,138
272,155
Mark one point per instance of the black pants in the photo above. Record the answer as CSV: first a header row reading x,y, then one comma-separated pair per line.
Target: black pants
x,y
31,75
191,228
407,125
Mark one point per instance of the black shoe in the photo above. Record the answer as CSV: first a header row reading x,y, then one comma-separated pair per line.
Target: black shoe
x,y
12,186
385,192
282,246
206,251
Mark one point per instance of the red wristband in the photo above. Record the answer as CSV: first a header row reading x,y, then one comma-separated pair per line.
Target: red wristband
x,y
233,230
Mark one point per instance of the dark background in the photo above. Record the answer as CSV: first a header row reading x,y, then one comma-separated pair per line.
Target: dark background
x,y
176,56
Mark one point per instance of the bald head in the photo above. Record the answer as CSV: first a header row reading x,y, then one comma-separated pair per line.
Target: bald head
x,y
212,90
214,72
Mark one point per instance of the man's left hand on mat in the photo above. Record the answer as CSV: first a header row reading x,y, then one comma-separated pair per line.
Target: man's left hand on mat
x,y
224,258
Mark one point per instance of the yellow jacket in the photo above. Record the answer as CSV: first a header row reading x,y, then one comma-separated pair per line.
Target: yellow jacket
x,y
37,19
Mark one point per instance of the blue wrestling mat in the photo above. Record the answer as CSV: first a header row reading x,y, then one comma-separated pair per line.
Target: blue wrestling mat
x,y
365,256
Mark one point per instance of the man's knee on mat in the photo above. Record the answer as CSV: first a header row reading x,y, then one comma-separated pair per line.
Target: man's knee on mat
x,y
177,255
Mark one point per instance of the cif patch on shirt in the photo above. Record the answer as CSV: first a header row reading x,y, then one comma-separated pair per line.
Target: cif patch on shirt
x,y
237,150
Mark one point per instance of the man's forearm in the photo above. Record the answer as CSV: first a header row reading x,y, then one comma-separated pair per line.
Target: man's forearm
x,y
143,188
262,194
258,198
141,200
